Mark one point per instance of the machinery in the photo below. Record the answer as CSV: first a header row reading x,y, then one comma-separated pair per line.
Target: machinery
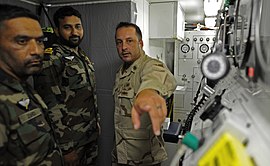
x,y
188,57
229,122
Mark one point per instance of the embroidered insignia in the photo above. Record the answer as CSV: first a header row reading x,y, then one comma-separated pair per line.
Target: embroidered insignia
x,y
48,51
29,115
69,57
24,103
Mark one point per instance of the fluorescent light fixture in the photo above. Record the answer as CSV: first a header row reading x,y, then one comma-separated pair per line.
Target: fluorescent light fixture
x,y
211,7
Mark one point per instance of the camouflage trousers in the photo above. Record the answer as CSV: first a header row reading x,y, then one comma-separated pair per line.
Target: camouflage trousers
x,y
130,163
88,154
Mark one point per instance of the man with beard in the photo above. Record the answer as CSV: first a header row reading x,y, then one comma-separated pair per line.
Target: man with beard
x,y
67,84
26,137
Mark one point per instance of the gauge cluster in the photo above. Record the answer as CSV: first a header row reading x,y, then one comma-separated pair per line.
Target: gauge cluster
x,y
196,44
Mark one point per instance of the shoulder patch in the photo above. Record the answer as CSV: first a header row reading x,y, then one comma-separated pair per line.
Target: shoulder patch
x,y
48,51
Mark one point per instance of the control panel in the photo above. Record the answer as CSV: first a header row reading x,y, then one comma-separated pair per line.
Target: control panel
x,y
187,68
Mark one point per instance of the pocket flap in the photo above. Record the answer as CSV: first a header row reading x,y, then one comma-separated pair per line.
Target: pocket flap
x,y
139,134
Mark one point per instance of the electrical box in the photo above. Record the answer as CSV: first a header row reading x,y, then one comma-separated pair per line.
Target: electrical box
x,y
167,20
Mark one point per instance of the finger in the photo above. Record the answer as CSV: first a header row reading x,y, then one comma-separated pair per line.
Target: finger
x,y
155,119
135,116
141,106
161,109
164,112
159,113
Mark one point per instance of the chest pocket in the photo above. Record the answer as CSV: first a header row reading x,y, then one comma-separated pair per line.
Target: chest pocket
x,y
74,75
125,97
28,131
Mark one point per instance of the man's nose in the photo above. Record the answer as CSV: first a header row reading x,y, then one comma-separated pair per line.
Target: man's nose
x,y
124,45
75,32
36,48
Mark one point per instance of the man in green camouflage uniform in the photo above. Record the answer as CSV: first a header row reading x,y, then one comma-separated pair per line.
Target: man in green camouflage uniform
x,y
25,135
67,84
141,85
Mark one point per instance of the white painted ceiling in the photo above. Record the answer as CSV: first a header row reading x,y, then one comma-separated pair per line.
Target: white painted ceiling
x,y
193,9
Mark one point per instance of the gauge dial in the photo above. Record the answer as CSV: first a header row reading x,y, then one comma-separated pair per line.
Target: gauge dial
x,y
185,48
204,48
215,66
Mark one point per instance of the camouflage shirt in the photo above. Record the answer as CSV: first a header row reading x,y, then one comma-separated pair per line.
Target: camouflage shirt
x,y
139,147
25,135
67,85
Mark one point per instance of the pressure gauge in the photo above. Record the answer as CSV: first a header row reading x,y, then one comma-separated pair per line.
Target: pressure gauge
x,y
204,48
185,48
215,66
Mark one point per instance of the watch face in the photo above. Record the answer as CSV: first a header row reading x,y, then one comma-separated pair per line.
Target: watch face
x,y
204,48
185,48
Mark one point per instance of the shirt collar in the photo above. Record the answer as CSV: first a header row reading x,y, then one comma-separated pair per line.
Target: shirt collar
x,y
133,67
10,82
67,49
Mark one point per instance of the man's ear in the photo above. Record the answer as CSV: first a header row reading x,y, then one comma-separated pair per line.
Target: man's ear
x,y
141,43
56,31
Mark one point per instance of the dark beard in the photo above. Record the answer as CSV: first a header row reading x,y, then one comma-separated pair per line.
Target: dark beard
x,y
69,43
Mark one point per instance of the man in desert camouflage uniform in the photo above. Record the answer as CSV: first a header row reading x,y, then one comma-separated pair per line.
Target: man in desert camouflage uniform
x,y
67,84
25,135
142,84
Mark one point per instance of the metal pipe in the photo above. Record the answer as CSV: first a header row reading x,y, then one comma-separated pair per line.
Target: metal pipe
x,y
30,2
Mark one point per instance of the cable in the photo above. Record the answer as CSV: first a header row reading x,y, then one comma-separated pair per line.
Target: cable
x,y
198,91
189,141
192,113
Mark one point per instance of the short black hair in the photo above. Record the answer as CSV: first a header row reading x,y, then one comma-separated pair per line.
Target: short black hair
x,y
128,24
62,12
8,12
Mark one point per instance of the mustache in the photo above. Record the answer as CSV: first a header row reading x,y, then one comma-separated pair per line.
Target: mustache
x,y
124,53
34,58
